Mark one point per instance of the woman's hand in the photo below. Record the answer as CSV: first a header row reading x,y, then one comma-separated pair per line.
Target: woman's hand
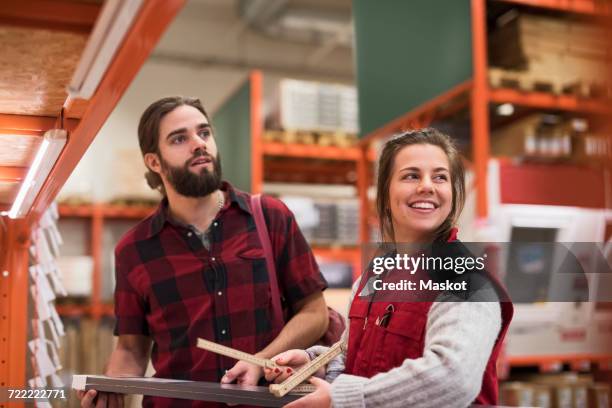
x,y
292,360
320,398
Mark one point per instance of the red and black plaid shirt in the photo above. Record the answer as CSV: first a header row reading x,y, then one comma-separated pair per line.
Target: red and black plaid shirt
x,y
173,289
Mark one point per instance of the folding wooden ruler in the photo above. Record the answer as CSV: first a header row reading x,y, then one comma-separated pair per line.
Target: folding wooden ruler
x,y
308,370
236,354
249,358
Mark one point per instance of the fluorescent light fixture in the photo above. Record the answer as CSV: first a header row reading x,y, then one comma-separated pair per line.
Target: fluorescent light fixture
x,y
48,152
112,24
505,109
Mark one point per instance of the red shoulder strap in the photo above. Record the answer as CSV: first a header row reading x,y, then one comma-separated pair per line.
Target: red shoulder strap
x,y
264,238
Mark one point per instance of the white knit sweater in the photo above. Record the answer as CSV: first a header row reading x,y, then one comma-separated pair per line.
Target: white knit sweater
x,y
459,339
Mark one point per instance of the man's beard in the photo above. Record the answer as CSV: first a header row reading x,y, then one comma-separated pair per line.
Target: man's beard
x,y
188,184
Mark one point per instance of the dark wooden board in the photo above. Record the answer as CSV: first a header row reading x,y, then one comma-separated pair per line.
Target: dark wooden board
x,y
192,390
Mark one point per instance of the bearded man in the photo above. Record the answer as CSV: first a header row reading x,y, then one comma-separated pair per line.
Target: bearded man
x,y
196,268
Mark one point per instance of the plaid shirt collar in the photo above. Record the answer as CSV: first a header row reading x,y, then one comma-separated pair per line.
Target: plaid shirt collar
x,y
160,216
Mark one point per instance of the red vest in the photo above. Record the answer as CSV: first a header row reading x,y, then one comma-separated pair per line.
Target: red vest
x,y
374,349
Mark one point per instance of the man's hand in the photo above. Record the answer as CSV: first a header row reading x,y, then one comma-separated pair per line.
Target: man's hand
x,y
130,357
320,398
105,399
243,373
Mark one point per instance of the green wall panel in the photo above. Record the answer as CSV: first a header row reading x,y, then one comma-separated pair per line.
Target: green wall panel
x,y
407,52
232,124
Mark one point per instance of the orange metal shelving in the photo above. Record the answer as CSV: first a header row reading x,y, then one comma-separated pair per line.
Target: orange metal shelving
x,y
104,310
256,111
360,156
106,211
542,100
14,284
313,151
591,7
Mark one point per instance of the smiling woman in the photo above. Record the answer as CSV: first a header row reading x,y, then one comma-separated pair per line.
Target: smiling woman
x,y
421,187
424,351
420,192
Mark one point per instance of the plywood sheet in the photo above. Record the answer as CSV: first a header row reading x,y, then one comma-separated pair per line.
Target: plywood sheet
x,y
35,68
18,150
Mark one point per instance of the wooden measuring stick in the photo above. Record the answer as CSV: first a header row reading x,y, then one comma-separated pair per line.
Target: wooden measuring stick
x,y
236,354
241,355
308,370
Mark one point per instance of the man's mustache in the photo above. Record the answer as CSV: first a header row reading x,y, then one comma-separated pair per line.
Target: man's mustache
x,y
197,155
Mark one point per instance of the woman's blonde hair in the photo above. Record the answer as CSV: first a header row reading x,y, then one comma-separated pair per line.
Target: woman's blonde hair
x,y
385,169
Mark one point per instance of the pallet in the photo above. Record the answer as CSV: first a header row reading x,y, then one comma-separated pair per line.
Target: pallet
x,y
319,138
523,81
526,81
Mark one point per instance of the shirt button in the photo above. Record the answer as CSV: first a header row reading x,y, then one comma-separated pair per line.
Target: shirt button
x,y
220,293
212,259
215,223
223,331
189,234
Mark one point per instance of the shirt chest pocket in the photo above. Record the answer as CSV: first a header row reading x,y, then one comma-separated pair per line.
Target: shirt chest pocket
x,y
247,279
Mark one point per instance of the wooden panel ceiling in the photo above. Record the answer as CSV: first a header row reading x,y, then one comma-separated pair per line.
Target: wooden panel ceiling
x,y
18,150
41,42
36,66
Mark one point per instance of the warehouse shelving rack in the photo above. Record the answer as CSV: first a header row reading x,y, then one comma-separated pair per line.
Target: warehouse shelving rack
x,y
361,157
480,95
84,119
477,95
351,254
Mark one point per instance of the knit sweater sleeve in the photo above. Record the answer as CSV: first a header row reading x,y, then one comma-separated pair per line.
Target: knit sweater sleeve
x,y
336,366
458,342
